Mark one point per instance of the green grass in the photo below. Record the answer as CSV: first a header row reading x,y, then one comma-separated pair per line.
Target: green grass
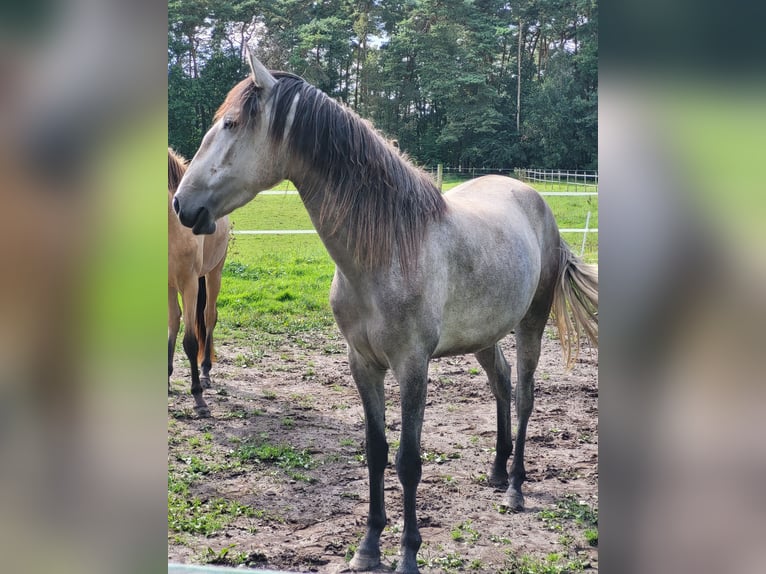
x,y
570,511
551,564
284,456
193,515
275,285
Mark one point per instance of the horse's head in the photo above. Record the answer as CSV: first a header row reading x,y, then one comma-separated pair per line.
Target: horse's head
x,y
237,158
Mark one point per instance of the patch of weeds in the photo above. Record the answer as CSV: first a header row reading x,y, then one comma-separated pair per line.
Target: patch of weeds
x,y
347,442
474,371
269,394
570,508
196,466
285,456
196,516
450,481
476,564
224,557
350,551
333,349
591,536
480,478
499,539
242,361
465,532
234,414
448,563
304,402
552,564
438,457
288,422
551,334
183,414
474,440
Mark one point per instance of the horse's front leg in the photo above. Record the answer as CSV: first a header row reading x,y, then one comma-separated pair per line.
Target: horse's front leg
x,y
369,382
413,379
174,324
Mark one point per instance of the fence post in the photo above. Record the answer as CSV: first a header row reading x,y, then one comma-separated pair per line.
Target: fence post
x,y
439,176
585,234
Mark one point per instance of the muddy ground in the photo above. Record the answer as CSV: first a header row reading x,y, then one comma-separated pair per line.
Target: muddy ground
x,y
307,513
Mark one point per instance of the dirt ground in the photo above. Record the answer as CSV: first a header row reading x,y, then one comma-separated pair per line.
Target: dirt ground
x,y
299,392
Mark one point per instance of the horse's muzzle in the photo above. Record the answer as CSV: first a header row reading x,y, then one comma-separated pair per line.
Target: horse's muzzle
x,y
201,223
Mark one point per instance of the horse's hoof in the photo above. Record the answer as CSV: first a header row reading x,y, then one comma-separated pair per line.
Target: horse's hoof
x,y
363,561
202,412
515,502
407,567
205,382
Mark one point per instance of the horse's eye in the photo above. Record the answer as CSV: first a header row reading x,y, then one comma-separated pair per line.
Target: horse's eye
x,y
228,123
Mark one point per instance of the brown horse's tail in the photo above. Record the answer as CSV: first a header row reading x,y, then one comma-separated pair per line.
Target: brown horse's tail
x,y
199,323
575,303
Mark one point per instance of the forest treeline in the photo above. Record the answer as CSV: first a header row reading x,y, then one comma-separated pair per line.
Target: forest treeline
x,y
466,83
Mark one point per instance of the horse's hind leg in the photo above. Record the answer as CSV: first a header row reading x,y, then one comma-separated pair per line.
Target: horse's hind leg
x,y
369,382
213,281
499,375
528,337
191,345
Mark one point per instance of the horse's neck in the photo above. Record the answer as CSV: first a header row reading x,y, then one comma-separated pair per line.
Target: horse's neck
x,y
333,236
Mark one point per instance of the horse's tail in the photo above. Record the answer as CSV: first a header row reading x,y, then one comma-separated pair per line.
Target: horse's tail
x,y
199,323
575,303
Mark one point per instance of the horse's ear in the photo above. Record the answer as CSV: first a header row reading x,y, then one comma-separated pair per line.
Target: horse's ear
x,y
262,78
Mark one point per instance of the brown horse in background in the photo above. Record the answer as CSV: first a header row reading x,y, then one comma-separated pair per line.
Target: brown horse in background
x,y
195,265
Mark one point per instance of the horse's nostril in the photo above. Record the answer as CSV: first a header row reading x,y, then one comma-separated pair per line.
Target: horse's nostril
x,y
176,205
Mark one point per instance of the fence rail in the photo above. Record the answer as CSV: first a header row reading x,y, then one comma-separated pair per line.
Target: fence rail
x,y
576,179
586,178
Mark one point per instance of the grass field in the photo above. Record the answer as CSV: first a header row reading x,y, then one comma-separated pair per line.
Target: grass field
x,y
278,284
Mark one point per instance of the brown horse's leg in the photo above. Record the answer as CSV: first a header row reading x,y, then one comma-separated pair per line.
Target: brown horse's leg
x,y
369,382
413,384
174,324
191,345
499,375
213,280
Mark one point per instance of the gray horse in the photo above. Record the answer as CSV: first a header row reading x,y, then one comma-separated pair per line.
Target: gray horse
x,y
418,275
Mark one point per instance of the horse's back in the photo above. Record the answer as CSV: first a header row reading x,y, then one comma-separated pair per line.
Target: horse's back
x,y
499,196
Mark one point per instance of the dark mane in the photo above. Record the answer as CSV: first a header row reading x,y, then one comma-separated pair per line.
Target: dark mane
x,y
367,186
176,169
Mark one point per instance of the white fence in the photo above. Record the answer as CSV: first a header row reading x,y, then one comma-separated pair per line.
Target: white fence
x,y
575,183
